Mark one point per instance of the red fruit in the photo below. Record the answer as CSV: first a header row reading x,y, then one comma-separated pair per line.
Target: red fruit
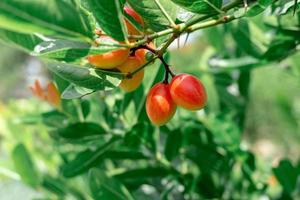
x,y
159,104
188,92
131,29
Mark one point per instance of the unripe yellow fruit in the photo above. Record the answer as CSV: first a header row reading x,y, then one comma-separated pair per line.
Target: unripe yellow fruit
x,y
110,59
131,64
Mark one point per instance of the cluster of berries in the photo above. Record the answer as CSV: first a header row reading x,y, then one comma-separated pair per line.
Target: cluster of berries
x,y
184,90
122,59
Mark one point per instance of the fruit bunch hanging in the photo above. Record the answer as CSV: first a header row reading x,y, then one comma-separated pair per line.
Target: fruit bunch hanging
x,y
183,90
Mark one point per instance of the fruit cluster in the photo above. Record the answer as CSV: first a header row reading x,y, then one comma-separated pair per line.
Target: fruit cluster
x,y
184,90
122,59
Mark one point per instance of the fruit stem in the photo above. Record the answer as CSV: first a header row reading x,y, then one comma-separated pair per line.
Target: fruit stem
x,y
166,79
130,74
167,69
161,58
152,50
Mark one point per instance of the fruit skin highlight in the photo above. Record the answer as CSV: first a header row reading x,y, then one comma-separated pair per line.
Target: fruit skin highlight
x,y
131,29
188,92
110,59
159,104
131,64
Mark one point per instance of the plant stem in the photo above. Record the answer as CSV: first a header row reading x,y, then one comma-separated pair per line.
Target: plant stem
x,y
210,23
168,43
160,57
167,70
79,110
113,45
129,75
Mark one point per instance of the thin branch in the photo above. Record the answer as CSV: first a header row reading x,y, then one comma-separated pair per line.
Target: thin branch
x,y
167,70
168,43
152,50
160,57
130,74
153,36
112,44
186,39
136,37
210,23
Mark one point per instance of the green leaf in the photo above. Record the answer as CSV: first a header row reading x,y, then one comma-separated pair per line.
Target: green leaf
x,y
54,185
244,83
121,155
86,160
108,14
200,6
291,6
287,175
24,166
54,119
280,49
141,133
258,7
134,178
83,76
132,21
105,187
53,17
142,173
25,42
215,37
249,38
173,144
245,63
85,107
69,51
152,15
61,187
213,105
75,92
81,130
213,161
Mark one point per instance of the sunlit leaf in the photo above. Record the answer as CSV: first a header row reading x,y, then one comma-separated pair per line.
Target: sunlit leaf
x,y
105,187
